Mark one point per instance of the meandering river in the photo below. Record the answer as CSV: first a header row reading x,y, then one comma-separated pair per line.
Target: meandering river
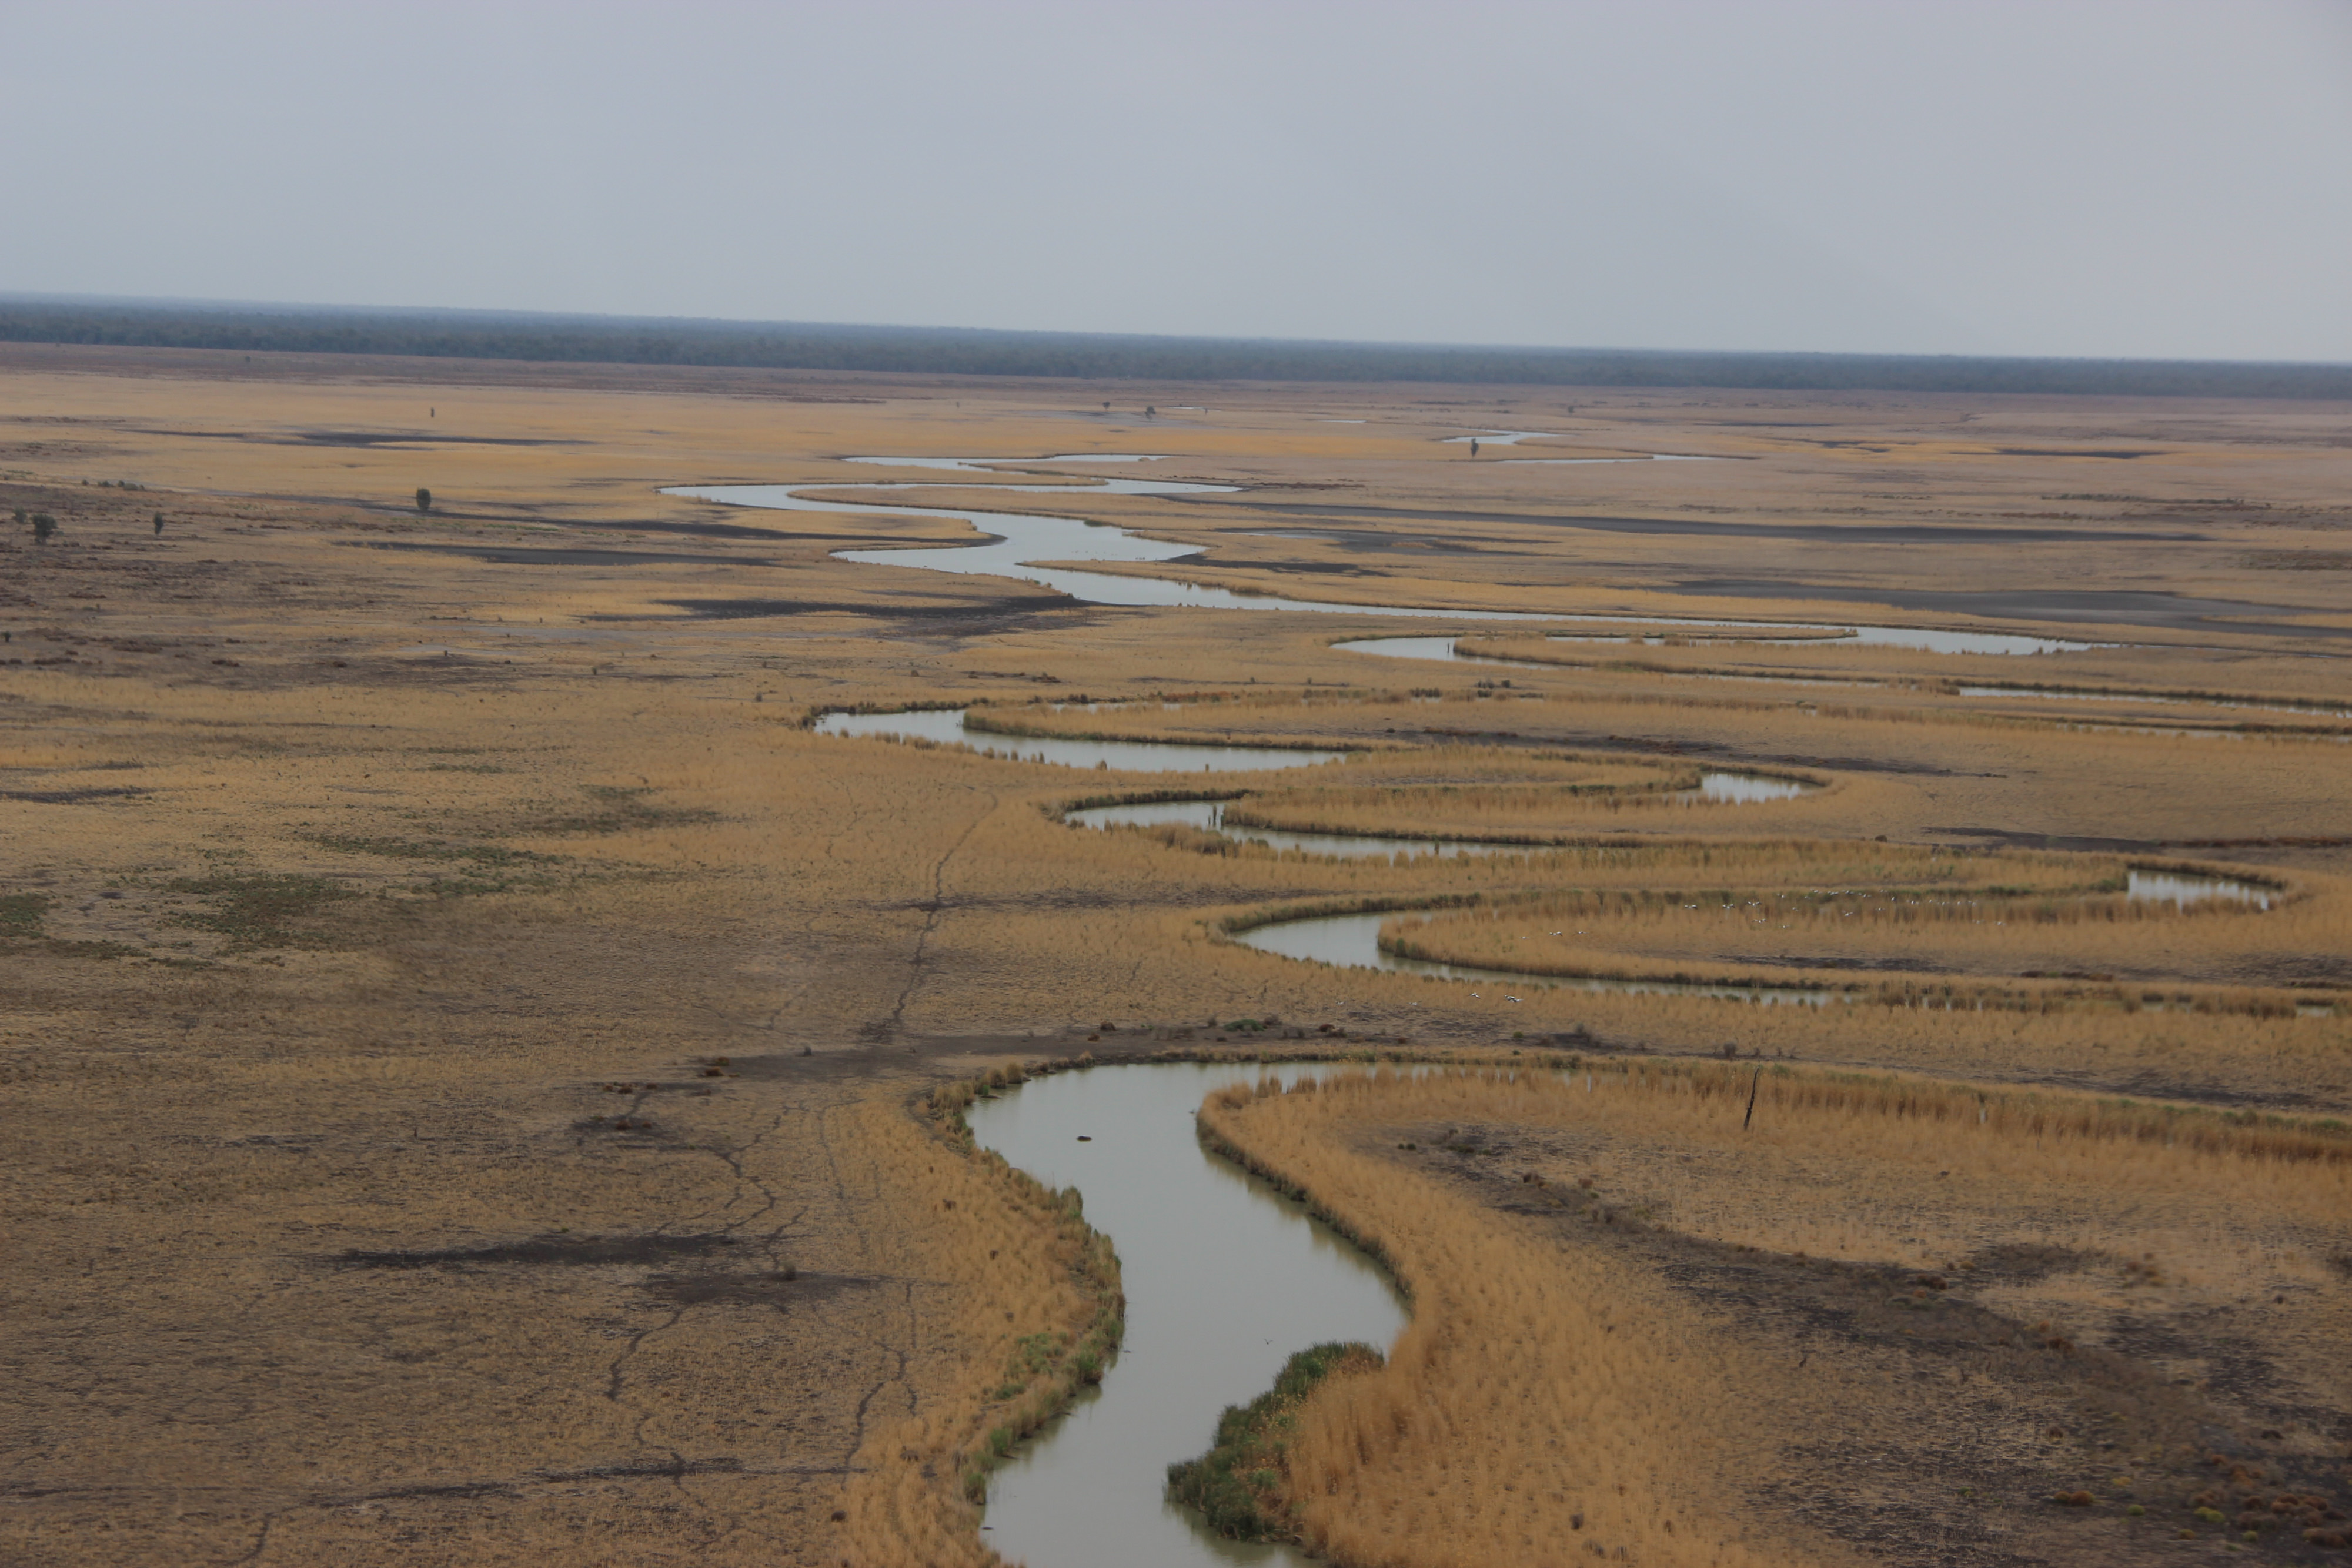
x,y
1014,542
1225,1281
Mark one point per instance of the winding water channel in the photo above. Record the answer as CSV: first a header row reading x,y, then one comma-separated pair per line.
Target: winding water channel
x,y
1226,1280
1353,942
946,726
1014,542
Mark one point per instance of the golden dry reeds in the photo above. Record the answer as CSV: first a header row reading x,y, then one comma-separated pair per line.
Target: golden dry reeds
x,y
1951,935
1540,1405
1547,1398
1041,1313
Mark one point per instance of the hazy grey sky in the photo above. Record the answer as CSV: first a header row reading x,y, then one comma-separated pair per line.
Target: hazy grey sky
x,y
2136,177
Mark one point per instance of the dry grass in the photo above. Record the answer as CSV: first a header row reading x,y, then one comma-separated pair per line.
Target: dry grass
x,y
1952,931
1006,1246
1537,1406
1544,1397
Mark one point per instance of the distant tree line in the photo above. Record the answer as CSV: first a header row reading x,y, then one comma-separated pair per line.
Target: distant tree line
x,y
940,351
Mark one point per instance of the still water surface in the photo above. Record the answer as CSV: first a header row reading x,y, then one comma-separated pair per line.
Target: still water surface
x,y
946,726
1928,638
1225,1281
1352,942
1015,541
2173,888
1715,789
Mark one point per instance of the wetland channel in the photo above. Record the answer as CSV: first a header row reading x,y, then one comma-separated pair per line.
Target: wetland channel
x,y
947,727
1225,1281
1014,542
1353,941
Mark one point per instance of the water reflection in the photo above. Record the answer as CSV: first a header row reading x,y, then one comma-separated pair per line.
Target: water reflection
x,y
2180,889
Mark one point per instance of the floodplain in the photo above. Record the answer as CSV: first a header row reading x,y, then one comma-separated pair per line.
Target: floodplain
x,y
496,981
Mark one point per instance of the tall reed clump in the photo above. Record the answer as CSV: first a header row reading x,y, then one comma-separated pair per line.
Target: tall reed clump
x,y
1543,1407
1034,1312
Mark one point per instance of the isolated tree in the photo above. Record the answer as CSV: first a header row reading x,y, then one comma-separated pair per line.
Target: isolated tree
x,y
423,499
44,525
159,525
20,517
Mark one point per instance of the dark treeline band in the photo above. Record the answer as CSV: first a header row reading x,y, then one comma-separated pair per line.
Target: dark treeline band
x,y
952,351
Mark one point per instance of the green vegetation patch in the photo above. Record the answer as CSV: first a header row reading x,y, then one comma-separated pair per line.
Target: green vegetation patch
x,y
1240,1484
20,915
431,850
259,910
618,809
486,868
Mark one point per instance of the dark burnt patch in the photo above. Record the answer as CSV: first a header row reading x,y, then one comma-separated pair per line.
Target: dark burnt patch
x,y
670,1470
2073,608
1824,533
2010,838
397,441
1988,1418
561,555
1826,961
2211,1092
880,609
548,1251
71,797
778,1289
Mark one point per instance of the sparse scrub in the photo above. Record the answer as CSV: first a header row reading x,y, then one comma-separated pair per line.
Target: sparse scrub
x,y
258,910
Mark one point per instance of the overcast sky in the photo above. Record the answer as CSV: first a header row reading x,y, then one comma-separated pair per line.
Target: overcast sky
x,y
2136,177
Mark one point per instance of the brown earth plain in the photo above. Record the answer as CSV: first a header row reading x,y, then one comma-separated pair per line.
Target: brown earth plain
x,y
483,1074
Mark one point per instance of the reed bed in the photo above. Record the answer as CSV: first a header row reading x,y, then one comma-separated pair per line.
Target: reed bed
x,y
1545,1398
1540,1407
1953,935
